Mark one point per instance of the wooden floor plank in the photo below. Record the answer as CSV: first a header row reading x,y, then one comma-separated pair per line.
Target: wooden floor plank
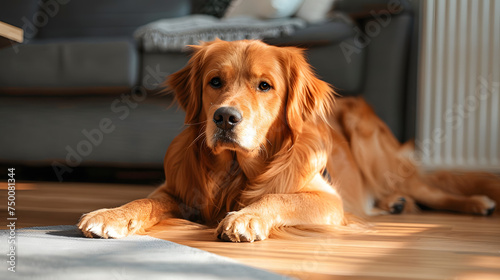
x,y
425,246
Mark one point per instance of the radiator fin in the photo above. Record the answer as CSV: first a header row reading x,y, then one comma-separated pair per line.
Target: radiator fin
x,y
459,85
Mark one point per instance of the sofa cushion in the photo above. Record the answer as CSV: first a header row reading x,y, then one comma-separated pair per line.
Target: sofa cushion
x,y
216,8
69,64
330,63
264,9
366,8
324,52
156,67
18,12
316,34
174,34
315,11
102,18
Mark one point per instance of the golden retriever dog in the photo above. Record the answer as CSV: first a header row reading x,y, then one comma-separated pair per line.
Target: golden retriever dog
x,y
262,135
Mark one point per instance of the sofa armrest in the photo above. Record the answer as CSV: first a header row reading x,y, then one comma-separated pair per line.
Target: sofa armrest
x,y
367,8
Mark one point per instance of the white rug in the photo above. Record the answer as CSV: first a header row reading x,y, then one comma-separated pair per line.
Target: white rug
x,y
61,252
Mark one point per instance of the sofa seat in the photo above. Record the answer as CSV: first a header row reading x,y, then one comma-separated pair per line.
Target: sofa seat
x,y
76,64
100,129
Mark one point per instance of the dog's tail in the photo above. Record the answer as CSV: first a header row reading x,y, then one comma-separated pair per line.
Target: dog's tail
x,y
466,183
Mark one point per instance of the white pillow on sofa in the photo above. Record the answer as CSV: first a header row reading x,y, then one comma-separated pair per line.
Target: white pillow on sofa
x,y
314,11
266,9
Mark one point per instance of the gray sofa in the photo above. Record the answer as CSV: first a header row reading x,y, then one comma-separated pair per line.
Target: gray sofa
x,y
80,93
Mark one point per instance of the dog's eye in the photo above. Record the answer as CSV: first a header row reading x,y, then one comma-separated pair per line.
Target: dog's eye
x,y
216,82
263,86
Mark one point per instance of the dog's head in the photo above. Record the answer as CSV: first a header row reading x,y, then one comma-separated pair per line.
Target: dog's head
x,y
242,91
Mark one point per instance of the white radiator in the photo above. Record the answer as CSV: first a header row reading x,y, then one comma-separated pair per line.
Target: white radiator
x,y
459,85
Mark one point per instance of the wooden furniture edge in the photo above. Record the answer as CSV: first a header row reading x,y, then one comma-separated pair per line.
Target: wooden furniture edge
x,y
11,32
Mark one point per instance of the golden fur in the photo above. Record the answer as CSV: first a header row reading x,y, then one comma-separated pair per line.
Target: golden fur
x,y
259,165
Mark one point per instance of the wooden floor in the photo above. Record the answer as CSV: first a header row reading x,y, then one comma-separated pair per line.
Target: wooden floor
x,y
426,246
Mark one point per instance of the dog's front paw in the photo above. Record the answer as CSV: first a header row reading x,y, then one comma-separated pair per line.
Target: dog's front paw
x,y
109,223
243,227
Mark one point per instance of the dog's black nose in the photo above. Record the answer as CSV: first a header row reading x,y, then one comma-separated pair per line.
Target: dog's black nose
x,y
227,117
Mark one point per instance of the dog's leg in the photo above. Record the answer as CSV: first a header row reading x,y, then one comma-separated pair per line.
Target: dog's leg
x,y
437,199
396,204
466,183
130,218
318,204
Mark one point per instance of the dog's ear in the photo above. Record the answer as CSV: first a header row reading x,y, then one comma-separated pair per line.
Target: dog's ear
x,y
186,84
308,96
